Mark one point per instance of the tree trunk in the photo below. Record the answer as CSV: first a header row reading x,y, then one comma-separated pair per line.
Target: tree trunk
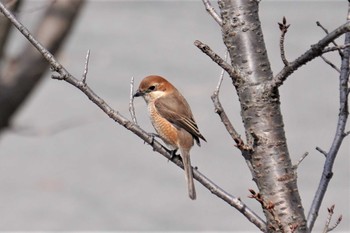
x,y
272,169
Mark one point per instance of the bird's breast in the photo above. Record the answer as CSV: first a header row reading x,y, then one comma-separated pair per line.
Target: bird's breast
x,y
164,128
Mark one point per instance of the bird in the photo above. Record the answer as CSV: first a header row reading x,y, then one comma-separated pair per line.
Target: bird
x,y
172,119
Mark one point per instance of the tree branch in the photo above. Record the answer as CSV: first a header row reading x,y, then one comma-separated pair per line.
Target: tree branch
x,y
330,63
233,72
63,74
321,151
283,28
224,118
315,51
211,10
5,28
340,131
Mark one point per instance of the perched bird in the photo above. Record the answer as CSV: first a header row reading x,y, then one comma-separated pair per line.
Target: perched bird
x,y
172,119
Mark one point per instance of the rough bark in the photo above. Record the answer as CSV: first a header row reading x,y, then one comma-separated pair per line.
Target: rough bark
x,y
24,72
272,169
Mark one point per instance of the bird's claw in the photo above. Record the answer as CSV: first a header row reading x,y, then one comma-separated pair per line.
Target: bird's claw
x,y
174,155
153,135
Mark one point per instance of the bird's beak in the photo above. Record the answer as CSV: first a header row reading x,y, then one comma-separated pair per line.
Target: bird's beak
x,y
138,93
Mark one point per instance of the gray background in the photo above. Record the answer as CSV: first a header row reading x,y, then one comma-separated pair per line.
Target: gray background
x,y
92,174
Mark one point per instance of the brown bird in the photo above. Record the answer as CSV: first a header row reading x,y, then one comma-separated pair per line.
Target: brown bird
x,y
172,119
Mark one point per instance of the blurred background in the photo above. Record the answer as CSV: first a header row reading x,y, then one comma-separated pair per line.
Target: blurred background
x,y
64,165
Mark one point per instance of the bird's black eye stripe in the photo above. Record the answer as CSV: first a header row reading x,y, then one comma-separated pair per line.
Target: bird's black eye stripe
x,y
151,88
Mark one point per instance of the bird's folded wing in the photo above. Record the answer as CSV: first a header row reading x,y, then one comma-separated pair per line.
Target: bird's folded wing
x,y
177,112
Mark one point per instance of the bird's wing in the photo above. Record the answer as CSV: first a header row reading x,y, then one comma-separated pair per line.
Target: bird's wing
x,y
178,112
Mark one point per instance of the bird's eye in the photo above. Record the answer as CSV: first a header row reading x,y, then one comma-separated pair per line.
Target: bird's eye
x,y
151,88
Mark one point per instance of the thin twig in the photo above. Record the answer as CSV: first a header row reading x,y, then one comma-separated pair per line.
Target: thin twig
x,y
346,134
330,63
328,228
131,101
329,218
284,28
234,72
63,74
343,114
221,79
331,228
211,10
321,151
335,48
86,67
327,32
295,167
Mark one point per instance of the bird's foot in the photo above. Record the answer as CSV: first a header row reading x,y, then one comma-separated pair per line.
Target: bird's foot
x,y
153,135
174,155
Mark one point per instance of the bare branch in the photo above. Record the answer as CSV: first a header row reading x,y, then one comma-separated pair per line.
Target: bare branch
x,y
46,54
284,28
131,101
224,118
86,67
221,79
5,28
343,114
63,74
234,72
316,50
321,151
211,10
330,63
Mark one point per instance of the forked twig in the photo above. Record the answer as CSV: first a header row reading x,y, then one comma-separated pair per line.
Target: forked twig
x,y
328,228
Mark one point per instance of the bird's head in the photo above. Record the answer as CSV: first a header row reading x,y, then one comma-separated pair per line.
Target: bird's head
x,y
153,87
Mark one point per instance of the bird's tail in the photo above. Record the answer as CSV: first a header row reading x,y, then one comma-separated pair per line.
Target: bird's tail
x,y
185,155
